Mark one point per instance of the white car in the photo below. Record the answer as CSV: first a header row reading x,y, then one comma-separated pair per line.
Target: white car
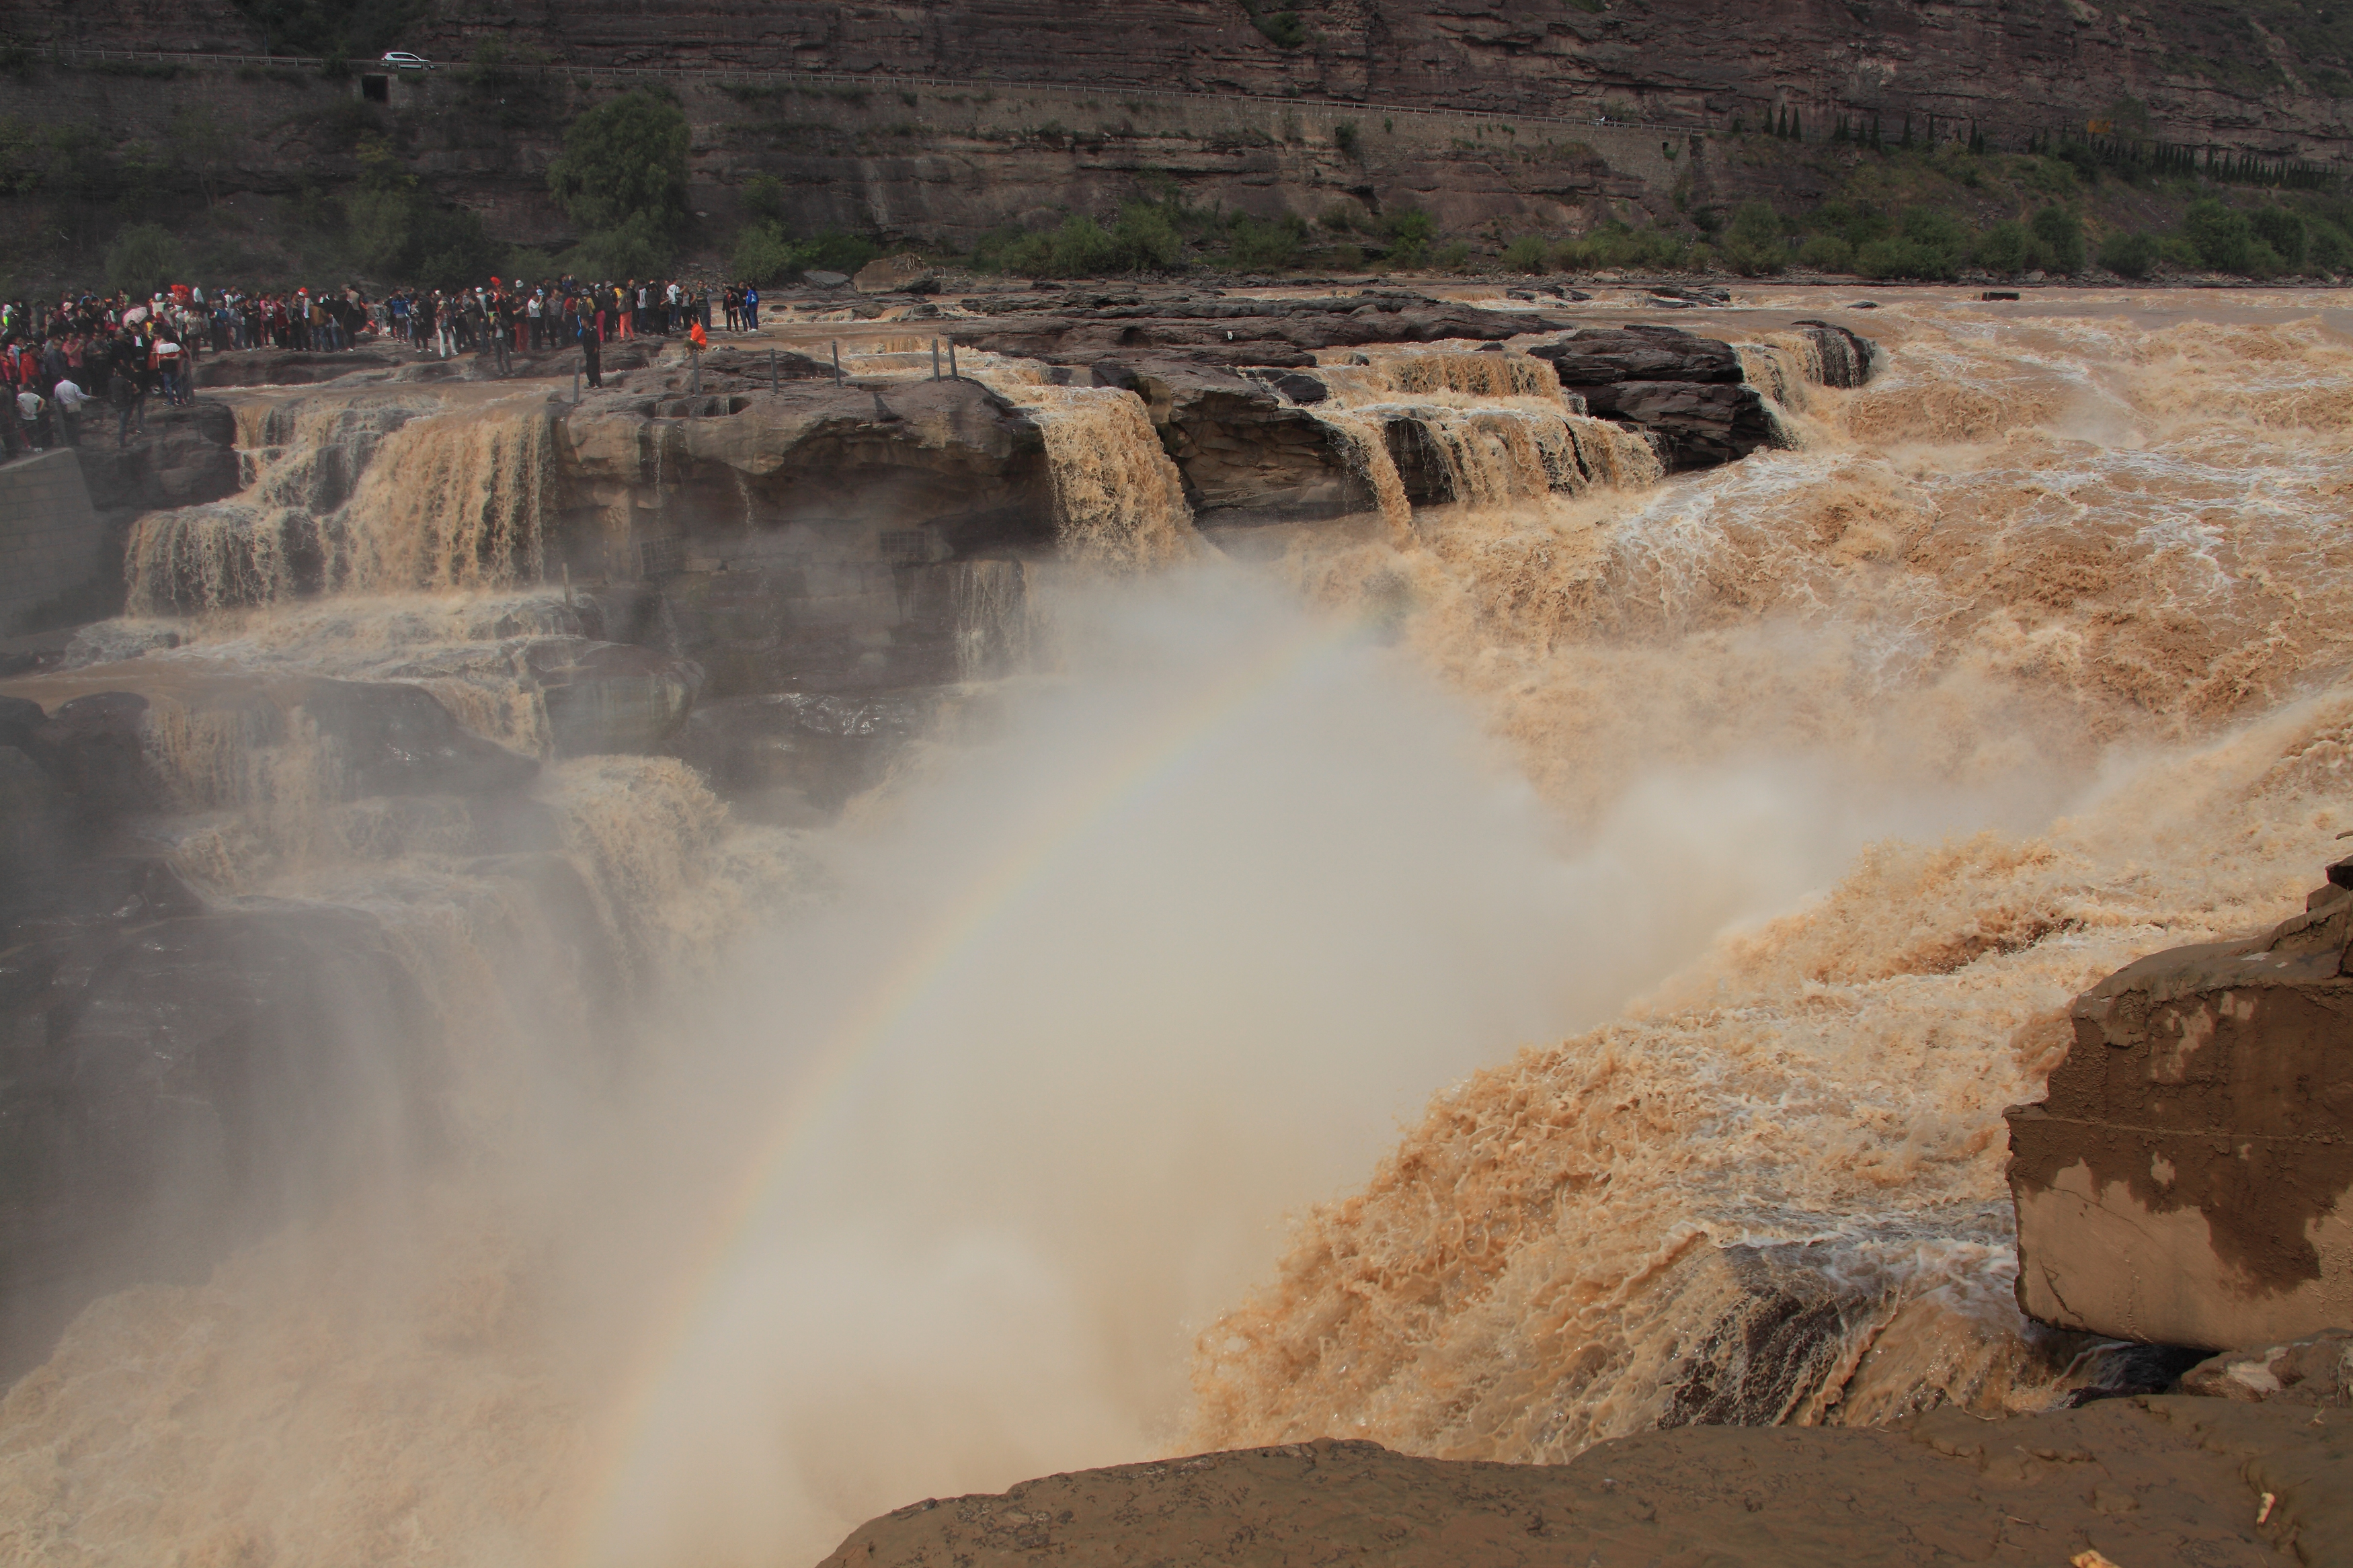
x,y
401,60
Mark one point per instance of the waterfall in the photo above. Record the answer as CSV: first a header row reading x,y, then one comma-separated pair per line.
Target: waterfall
x,y
1482,429
1119,502
364,496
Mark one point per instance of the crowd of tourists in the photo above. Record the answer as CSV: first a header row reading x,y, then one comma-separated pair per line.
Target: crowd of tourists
x,y
119,351
54,362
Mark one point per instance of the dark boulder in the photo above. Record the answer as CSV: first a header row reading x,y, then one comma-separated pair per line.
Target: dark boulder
x,y
1247,455
1686,393
1846,359
189,455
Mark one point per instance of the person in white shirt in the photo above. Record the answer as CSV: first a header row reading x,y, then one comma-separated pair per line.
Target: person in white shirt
x,y
69,399
29,407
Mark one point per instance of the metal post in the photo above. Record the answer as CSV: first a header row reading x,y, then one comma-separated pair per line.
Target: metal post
x,y
935,358
576,384
772,370
836,362
953,374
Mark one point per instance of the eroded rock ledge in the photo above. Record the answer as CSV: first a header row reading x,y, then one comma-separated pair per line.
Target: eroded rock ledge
x,y
2145,1480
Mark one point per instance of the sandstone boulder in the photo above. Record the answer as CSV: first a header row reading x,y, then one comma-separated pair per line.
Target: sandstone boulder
x,y
1686,393
292,367
2317,1371
948,459
1247,455
897,274
2186,1180
187,457
1847,360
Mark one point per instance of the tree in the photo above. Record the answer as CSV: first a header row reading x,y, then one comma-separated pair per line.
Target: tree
x,y
624,163
400,234
2061,234
1753,244
2128,254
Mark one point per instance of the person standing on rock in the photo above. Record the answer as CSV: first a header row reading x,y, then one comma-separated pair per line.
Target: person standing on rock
x,y
591,360
69,397
30,407
128,392
751,306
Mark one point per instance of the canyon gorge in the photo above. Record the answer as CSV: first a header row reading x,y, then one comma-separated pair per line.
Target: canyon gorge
x,y
643,974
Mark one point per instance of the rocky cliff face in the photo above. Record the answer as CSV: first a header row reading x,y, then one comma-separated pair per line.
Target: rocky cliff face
x,y
939,123
2209,70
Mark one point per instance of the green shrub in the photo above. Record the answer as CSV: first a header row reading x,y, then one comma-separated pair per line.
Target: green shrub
x,y
762,255
2283,231
2060,234
1929,243
1257,246
1344,137
2329,249
2222,239
398,233
1613,244
1454,255
1827,253
144,257
1752,243
1282,28
623,162
1526,253
638,249
529,264
2003,247
1147,238
763,198
1410,230
2128,255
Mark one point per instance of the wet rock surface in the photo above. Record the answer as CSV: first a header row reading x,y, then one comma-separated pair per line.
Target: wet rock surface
x,y
950,459
2317,1371
1079,328
2140,1481
178,1069
1248,454
1685,392
2186,1180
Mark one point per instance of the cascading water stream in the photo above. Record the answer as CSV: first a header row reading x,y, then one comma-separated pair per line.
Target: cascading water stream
x,y
1499,425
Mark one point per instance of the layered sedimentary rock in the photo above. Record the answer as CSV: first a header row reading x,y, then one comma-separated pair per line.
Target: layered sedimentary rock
x,y
2142,1481
1082,328
1248,452
2190,1178
1688,392
2209,63
809,534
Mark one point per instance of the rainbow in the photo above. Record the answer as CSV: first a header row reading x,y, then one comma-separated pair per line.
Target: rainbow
x,y
1094,795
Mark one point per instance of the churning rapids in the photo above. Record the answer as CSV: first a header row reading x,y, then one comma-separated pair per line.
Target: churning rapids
x,y
1041,1109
